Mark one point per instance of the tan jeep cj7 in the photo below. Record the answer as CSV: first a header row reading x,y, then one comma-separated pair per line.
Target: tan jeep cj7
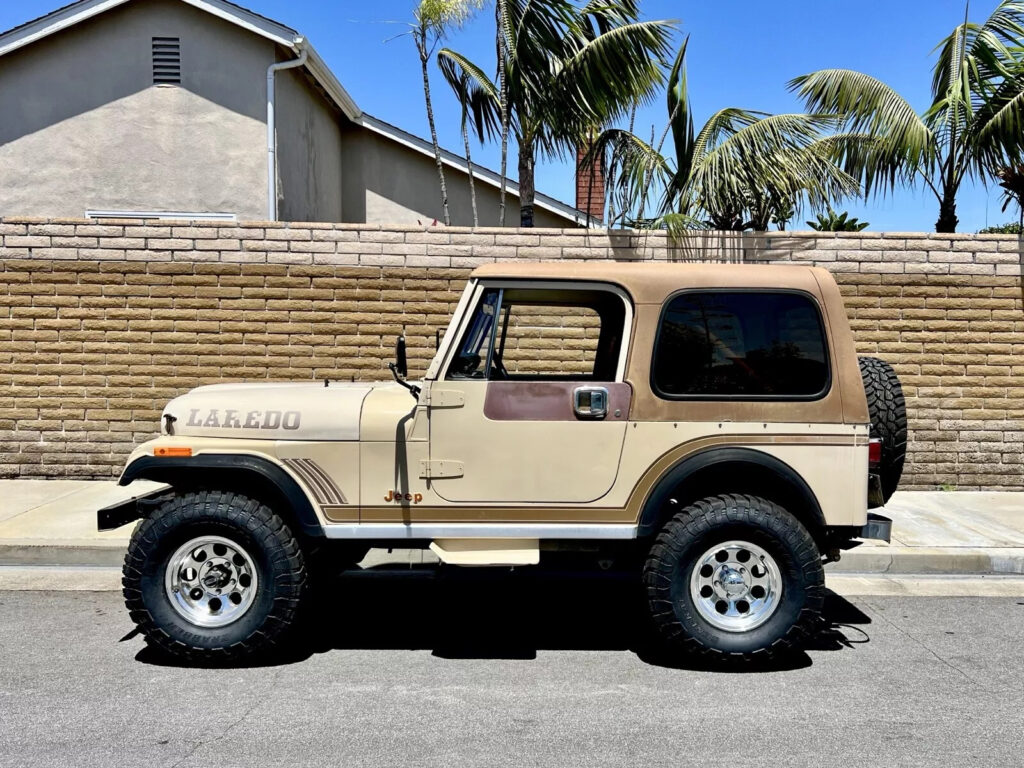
x,y
709,425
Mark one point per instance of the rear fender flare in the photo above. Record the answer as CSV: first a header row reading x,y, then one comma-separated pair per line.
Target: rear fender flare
x,y
716,471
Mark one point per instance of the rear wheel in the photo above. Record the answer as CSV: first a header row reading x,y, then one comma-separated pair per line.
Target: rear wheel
x,y
213,576
735,575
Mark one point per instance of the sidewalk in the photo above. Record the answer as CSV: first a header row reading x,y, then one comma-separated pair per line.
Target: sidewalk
x,y
53,523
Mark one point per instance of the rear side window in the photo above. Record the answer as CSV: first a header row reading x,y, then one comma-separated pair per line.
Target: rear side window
x,y
744,345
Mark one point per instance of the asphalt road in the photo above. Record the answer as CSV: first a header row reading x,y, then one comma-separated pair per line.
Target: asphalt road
x,y
513,670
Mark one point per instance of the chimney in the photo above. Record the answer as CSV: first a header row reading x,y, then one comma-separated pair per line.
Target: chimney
x,y
589,186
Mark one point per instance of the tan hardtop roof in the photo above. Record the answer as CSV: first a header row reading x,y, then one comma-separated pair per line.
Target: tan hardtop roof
x,y
652,282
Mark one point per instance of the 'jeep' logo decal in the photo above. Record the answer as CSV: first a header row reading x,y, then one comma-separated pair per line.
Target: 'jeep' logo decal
x,y
249,420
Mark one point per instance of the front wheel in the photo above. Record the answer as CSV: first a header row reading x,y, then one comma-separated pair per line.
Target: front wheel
x,y
213,576
734,575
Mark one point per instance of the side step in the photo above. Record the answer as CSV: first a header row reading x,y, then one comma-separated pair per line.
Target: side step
x,y
487,551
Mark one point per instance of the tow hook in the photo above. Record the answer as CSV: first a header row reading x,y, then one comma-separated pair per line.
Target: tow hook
x,y
832,556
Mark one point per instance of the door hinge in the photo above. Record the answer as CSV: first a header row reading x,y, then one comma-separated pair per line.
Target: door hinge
x,y
438,468
446,398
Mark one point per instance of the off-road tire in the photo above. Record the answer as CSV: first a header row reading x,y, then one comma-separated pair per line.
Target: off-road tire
x,y
888,413
275,552
712,521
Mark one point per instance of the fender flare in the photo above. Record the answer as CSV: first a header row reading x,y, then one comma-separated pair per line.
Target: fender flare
x,y
261,471
743,465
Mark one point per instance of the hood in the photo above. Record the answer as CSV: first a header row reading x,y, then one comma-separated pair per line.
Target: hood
x,y
270,411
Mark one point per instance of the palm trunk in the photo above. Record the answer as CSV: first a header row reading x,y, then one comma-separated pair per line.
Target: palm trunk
x,y
947,221
649,175
421,45
469,167
526,181
610,191
499,9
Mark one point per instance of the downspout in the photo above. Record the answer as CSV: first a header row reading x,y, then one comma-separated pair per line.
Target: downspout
x,y
272,70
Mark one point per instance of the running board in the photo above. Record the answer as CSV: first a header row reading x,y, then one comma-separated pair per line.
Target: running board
x,y
487,551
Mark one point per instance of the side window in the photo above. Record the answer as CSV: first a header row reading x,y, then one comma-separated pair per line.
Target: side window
x,y
471,355
743,345
542,335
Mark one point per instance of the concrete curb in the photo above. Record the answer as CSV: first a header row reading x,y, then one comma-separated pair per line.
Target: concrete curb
x,y
931,560
74,553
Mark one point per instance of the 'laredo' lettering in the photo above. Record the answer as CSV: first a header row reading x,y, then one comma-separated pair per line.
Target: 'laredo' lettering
x,y
290,420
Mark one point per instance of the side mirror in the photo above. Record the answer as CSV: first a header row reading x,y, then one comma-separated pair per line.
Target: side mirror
x,y
401,361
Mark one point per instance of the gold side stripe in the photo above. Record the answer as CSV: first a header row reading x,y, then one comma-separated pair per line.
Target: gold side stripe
x,y
324,490
582,513
299,467
336,496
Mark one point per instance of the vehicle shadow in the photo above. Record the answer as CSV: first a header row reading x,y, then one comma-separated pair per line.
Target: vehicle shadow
x,y
512,614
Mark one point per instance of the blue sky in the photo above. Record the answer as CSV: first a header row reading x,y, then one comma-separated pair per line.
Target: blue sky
x,y
742,52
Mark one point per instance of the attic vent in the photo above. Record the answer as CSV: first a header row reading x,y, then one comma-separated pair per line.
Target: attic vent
x,y
167,60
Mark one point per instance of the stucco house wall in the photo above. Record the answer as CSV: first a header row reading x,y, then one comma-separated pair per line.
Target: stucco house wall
x,y
389,183
309,151
84,127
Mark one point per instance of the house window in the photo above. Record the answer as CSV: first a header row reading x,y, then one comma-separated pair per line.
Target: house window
x,y
167,61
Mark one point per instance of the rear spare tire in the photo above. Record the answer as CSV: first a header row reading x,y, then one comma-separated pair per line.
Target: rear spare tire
x,y
888,412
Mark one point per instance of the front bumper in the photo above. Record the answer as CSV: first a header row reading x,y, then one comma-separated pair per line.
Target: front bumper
x,y
878,527
124,512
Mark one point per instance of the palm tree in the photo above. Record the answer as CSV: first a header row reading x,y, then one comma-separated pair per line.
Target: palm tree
x,y
501,33
974,122
741,169
433,20
566,69
476,105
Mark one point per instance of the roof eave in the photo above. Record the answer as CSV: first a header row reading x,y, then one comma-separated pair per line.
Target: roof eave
x,y
61,19
318,68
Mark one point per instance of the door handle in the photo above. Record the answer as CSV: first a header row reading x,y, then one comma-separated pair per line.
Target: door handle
x,y
590,402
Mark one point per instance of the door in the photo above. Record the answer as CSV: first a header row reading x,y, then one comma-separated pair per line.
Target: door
x,y
530,406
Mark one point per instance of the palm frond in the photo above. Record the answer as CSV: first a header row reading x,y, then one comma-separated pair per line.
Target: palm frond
x,y
603,77
868,106
477,95
772,160
680,115
998,138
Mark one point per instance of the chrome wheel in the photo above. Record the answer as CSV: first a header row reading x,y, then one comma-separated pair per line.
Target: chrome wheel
x,y
211,581
736,586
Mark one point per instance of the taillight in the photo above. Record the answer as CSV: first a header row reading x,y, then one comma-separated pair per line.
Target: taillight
x,y
874,452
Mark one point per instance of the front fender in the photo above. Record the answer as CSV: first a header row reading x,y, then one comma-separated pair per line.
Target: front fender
x,y
248,474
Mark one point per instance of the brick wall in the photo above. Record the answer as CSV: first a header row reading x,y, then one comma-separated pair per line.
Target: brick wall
x,y
102,323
